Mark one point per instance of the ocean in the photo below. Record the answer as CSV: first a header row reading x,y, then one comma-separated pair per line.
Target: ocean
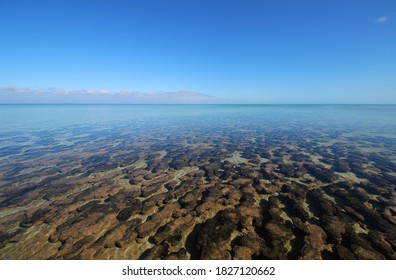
x,y
197,181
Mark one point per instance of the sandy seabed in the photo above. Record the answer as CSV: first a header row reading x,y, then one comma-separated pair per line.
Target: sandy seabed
x,y
220,193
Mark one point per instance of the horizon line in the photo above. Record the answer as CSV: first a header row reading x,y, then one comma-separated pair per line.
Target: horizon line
x,y
196,104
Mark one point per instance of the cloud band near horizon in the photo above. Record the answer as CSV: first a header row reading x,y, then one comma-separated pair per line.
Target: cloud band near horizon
x,y
13,94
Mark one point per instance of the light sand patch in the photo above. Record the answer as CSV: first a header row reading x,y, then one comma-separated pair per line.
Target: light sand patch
x,y
359,229
288,246
284,214
32,240
372,196
332,199
263,160
9,211
162,154
234,235
349,176
368,205
138,164
287,160
305,206
317,159
133,251
184,171
328,247
393,174
286,217
236,158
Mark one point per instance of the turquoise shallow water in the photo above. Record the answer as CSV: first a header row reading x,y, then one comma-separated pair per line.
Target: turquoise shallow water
x,y
29,125
224,176
25,118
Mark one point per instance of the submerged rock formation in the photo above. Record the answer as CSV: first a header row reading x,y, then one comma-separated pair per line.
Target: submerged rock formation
x,y
263,193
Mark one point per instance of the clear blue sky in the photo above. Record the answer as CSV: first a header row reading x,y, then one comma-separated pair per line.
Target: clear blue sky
x,y
279,51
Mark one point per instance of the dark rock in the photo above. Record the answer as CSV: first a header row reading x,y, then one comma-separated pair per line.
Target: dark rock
x,y
321,173
366,254
340,166
155,201
53,239
216,233
379,240
314,243
179,255
247,199
150,189
344,253
287,170
39,215
126,213
250,246
90,205
279,235
158,252
172,231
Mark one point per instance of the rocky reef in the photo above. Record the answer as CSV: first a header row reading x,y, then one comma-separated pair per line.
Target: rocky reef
x,y
218,193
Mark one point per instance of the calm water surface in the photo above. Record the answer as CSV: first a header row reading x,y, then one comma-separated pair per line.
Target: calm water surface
x,y
197,181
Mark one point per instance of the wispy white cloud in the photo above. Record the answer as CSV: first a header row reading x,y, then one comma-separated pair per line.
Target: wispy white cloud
x,y
13,94
382,19
58,91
